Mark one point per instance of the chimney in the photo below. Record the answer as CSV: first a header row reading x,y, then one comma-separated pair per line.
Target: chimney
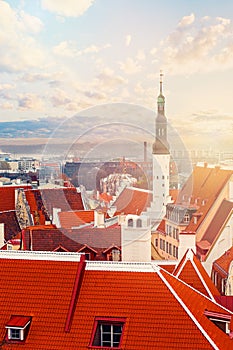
x,y
187,240
2,236
145,151
99,219
56,220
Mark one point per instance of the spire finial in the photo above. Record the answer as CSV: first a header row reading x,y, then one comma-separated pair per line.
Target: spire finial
x,y
161,82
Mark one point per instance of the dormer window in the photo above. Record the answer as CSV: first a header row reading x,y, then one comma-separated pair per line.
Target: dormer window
x,y
186,218
222,321
107,333
17,328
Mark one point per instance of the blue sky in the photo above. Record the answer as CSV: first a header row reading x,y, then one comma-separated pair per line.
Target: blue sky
x,y
60,57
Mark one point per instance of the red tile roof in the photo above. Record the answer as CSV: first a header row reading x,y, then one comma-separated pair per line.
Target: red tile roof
x,y
222,264
64,198
132,201
105,197
161,312
191,271
202,188
174,194
42,202
69,219
37,207
49,238
18,321
216,225
7,196
11,225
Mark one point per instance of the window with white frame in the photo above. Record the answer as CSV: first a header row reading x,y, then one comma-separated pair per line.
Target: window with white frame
x,y
14,333
107,333
18,327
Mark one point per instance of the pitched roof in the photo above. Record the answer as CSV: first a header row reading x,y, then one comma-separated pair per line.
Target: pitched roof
x,y
69,219
7,196
11,225
222,264
42,202
132,200
160,311
64,198
191,271
216,225
201,190
37,208
45,238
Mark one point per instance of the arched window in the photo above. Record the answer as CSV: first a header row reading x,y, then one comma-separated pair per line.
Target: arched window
x,y
130,222
139,223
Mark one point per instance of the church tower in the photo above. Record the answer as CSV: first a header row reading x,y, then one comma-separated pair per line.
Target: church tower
x,y
161,159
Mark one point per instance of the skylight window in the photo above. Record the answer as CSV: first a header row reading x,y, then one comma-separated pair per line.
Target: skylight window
x,y
107,333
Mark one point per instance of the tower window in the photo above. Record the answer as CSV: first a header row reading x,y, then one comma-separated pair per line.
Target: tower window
x,y
130,222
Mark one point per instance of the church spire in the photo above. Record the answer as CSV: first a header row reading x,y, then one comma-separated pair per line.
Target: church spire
x,y
161,98
160,145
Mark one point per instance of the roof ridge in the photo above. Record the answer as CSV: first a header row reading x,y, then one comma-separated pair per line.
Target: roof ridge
x,y
202,279
186,309
40,255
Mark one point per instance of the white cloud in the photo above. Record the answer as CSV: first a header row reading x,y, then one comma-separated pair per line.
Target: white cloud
x,y
128,39
29,102
140,56
154,51
36,77
6,106
65,49
4,87
130,66
187,20
69,49
68,8
60,98
108,80
199,47
30,23
19,48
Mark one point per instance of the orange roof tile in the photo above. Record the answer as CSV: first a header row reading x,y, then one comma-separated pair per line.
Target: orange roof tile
x,y
50,238
42,202
69,219
7,196
191,271
11,225
132,201
216,225
224,261
201,190
174,194
64,198
160,311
